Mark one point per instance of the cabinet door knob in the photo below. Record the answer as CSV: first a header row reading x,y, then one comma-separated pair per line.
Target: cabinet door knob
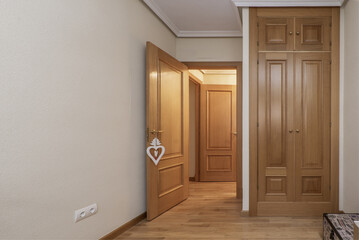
x,y
290,33
290,131
298,33
297,130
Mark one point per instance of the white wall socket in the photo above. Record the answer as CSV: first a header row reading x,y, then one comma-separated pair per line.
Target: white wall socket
x,y
85,212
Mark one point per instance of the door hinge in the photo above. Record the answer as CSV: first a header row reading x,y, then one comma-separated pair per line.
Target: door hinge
x,y
257,61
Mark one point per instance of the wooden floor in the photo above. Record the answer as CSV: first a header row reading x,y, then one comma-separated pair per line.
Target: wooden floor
x,y
213,212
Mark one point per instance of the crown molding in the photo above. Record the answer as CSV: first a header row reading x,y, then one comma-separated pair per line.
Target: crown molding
x,y
288,3
158,11
187,34
184,34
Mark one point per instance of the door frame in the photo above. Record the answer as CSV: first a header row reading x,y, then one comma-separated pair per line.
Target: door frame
x,y
253,100
234,66
197,82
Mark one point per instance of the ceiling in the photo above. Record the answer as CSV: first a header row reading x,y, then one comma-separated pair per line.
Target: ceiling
x,y
199,18
217,18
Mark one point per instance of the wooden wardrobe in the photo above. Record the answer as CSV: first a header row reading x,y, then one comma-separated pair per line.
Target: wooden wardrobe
x,y
294,89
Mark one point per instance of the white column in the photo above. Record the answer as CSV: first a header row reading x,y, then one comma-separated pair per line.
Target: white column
x,y
245,114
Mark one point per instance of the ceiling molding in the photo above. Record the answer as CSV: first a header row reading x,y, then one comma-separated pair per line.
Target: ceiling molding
x,y
187,34
184,34
288,3
158,11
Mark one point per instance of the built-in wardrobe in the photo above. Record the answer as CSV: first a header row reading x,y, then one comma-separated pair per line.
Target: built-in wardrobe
x,y
294,69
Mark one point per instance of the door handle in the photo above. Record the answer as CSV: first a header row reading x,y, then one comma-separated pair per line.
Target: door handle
x,y
290,131
156,131
298,33
297,130
234,133
291,33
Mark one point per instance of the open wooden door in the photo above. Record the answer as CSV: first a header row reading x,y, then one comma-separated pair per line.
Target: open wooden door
x,y
167,119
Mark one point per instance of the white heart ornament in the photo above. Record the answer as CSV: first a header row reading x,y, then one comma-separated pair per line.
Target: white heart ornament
x,y
155,145
155,159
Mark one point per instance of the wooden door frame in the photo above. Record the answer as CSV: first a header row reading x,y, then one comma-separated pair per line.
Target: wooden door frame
x,y
197,82
235,66
253,100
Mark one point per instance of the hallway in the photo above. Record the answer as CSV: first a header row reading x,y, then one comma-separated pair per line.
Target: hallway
x,y
213,212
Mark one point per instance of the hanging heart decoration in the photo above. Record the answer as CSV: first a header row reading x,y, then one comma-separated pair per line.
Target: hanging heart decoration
x,y
158,151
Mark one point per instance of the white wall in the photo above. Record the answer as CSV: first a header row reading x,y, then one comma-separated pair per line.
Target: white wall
x,y
351,108
72,114
209,49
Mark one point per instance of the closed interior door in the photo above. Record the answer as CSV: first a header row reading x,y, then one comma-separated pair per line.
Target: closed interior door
x,y
218,133
167,120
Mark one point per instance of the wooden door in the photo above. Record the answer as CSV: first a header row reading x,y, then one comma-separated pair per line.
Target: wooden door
x,y
276,135
312,34
218,133
293,134
276,34
167,119
312,126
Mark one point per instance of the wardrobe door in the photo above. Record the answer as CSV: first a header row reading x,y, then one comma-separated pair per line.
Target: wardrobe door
x,y
312,34
276,34
312,126
276,135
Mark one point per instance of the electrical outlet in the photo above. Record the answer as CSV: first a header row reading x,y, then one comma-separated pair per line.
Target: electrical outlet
x,y
85,212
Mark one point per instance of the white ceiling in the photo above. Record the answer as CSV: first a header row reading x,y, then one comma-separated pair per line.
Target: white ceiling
x,y
199,18
217,18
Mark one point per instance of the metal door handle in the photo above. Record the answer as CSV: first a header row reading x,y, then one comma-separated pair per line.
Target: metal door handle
x,y
156,131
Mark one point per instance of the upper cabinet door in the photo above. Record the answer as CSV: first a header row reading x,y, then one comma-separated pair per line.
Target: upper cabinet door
x,y
312,34
276,34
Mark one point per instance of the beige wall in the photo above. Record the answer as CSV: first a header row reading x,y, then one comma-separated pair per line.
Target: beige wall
x,y
220,79
209,49
72,107
351,109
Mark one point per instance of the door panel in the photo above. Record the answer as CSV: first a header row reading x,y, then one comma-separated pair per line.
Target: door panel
x,y
275,116
170,108
167,119
276,34
312,34
218,133
312,126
